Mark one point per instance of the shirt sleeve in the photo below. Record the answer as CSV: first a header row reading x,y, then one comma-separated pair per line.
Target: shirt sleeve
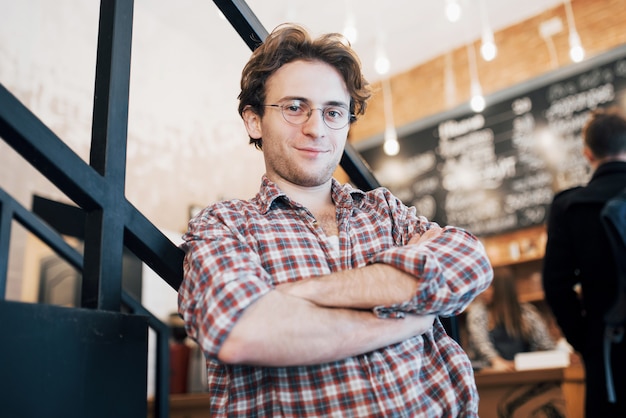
x,y
222,277
451,269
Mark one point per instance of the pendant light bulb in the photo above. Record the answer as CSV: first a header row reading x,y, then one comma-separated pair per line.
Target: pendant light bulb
x,y
477,102
391,145
488,48
349,30
382,64
453,10
576,51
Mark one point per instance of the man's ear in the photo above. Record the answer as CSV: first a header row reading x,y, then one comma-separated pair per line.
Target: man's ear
x,y
588,154
593,161
252,121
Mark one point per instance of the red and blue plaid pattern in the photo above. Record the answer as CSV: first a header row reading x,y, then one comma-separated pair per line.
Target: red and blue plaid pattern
x,y
237,251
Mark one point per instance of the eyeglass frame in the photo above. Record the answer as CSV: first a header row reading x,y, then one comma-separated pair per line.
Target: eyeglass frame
x,y
351,116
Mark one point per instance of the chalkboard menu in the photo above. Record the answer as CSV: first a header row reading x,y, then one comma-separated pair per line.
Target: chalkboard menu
x,y
498,170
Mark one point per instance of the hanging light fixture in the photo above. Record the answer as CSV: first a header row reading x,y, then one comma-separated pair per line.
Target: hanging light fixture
x,y
477,101
453,10
547,30
382,64
488,48
391,145
449,84
349,28
576,51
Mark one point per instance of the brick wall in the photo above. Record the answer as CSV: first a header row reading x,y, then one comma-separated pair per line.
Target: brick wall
x,y
522,55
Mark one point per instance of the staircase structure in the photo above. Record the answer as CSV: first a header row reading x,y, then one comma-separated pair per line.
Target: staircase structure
x,y
91,360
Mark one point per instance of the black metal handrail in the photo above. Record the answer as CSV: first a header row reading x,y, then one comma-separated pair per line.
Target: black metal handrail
x,y
98,187
163,333
11,210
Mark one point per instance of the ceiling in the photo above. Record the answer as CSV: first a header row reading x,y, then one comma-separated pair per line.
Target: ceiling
x,y
410,31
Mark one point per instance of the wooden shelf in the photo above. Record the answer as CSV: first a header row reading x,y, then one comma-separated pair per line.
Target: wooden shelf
x,y
522,246
522,251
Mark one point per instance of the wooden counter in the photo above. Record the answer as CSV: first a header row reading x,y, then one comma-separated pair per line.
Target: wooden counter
x,y
519,394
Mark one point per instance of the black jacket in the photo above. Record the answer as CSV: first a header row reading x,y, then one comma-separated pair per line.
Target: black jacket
x,y
578,251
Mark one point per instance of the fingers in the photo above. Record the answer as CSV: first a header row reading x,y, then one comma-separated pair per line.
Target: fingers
x,y
433,232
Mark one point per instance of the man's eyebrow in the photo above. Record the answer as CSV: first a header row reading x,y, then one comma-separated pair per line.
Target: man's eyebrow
x,y
289,98
338,103
307,101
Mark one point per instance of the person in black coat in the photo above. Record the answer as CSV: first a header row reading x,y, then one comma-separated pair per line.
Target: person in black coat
x,y
579,273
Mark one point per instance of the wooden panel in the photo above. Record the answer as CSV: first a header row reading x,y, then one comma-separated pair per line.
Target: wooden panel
x,y
523,245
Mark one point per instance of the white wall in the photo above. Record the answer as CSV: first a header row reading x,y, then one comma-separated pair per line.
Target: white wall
x,y
186,142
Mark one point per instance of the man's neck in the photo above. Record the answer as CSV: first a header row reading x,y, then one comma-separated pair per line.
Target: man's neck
x,y
618,157
612,158
313,198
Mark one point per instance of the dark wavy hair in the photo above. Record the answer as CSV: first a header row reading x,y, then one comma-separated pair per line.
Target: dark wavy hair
x,y
290,42
605,132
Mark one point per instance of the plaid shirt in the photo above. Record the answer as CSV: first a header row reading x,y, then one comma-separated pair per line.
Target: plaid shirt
x,y
237,251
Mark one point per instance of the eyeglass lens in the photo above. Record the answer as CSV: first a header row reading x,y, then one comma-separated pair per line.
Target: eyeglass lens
x,y
298,112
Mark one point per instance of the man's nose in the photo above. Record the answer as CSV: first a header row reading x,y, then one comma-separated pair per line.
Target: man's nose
x,y
316,120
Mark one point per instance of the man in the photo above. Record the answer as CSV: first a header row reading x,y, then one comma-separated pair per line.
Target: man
x,y
578,253
314,298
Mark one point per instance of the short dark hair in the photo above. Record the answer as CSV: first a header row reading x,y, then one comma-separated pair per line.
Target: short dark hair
x,y
290,42
605,132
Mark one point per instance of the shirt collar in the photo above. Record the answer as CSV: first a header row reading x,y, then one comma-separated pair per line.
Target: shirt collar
x,y
270,195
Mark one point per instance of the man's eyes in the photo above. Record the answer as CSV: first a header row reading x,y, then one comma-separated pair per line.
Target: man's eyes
x,y
334,112
296,108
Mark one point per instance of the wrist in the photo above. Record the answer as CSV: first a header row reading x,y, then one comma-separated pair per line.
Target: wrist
x,y
303,289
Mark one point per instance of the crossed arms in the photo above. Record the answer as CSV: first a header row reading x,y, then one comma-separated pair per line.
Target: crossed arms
x,y
330,317
326,318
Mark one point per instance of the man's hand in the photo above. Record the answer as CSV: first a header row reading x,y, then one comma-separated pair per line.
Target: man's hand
x,y
363,288
432,233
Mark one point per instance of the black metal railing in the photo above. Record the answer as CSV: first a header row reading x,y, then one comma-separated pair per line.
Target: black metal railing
x,y
11,210
112,222
98,188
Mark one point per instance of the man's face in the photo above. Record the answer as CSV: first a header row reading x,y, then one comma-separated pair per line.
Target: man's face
x,y
307,154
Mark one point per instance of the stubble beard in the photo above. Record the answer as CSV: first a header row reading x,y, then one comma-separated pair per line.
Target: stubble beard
x,y
300,177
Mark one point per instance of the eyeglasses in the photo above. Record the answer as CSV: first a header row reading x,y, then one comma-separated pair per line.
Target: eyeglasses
x,y
297,112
